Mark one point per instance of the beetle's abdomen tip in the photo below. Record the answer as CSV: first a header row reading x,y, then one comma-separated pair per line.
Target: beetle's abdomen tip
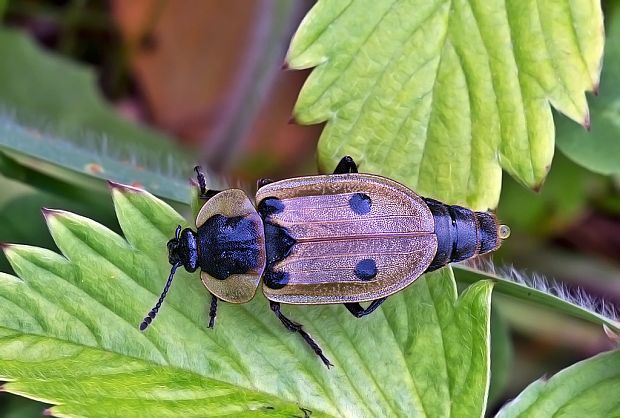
x,y
503,232
490,238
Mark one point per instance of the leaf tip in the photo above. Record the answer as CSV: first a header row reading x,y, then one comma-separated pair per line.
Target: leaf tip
x,y
540,183
611,334
587,122
285,66
113,185
50,213
292,120
123,188
538,186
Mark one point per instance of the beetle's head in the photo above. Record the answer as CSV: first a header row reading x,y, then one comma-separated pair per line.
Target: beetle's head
x,y
181,252
174,247
182,249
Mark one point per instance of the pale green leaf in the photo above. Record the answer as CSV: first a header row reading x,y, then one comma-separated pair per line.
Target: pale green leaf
x,y
441,95
599,149
52,112
588,388
69,336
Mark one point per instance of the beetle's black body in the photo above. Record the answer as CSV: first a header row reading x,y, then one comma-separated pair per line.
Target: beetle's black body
x,y
278,242
343,238
229,246
461,233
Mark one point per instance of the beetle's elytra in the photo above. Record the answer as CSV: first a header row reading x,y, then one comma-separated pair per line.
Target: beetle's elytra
x,y
341,238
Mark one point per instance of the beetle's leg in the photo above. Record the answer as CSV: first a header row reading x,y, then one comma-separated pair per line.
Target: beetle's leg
x,y
204,193
295,327
201,180
357,310
306,412
346,165
261,182
209,194
212,311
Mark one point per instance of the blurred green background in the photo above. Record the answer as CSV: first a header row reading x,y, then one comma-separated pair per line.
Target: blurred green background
x,y
204,80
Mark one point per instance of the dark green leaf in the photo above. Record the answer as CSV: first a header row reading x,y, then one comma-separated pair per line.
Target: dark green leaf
x,y
598,150
59,118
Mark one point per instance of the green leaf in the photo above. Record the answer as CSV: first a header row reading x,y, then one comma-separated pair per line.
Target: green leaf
x,y
61,119
17,199
598,150
501,355
17,407
587,388
441,95
69,336
552,295
567,192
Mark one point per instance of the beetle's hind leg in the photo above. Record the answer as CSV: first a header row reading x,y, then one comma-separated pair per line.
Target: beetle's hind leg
x,y
205,194
346,165
295,327
357,310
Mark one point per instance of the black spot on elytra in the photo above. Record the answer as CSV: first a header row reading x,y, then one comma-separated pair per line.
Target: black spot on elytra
x,y
360,203
366,269
275,279
278,243
269,206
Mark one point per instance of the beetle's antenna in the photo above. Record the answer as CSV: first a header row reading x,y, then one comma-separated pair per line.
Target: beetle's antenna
x,y
149,318
177,233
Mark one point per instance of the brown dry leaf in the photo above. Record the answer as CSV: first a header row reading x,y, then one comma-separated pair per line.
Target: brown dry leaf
x,y
210,74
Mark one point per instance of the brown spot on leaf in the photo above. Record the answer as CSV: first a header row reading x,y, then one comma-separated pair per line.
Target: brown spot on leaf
x,y
35,133
94,168
538,187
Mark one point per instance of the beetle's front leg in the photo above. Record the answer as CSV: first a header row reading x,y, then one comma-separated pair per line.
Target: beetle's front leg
x,y
204,193
346,165
212,311
263,182
295,327
357,310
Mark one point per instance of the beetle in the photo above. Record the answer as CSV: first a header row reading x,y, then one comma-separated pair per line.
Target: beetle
x,y
342,238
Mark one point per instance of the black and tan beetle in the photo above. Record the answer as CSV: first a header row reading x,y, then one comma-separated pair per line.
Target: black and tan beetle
x,y
341,238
